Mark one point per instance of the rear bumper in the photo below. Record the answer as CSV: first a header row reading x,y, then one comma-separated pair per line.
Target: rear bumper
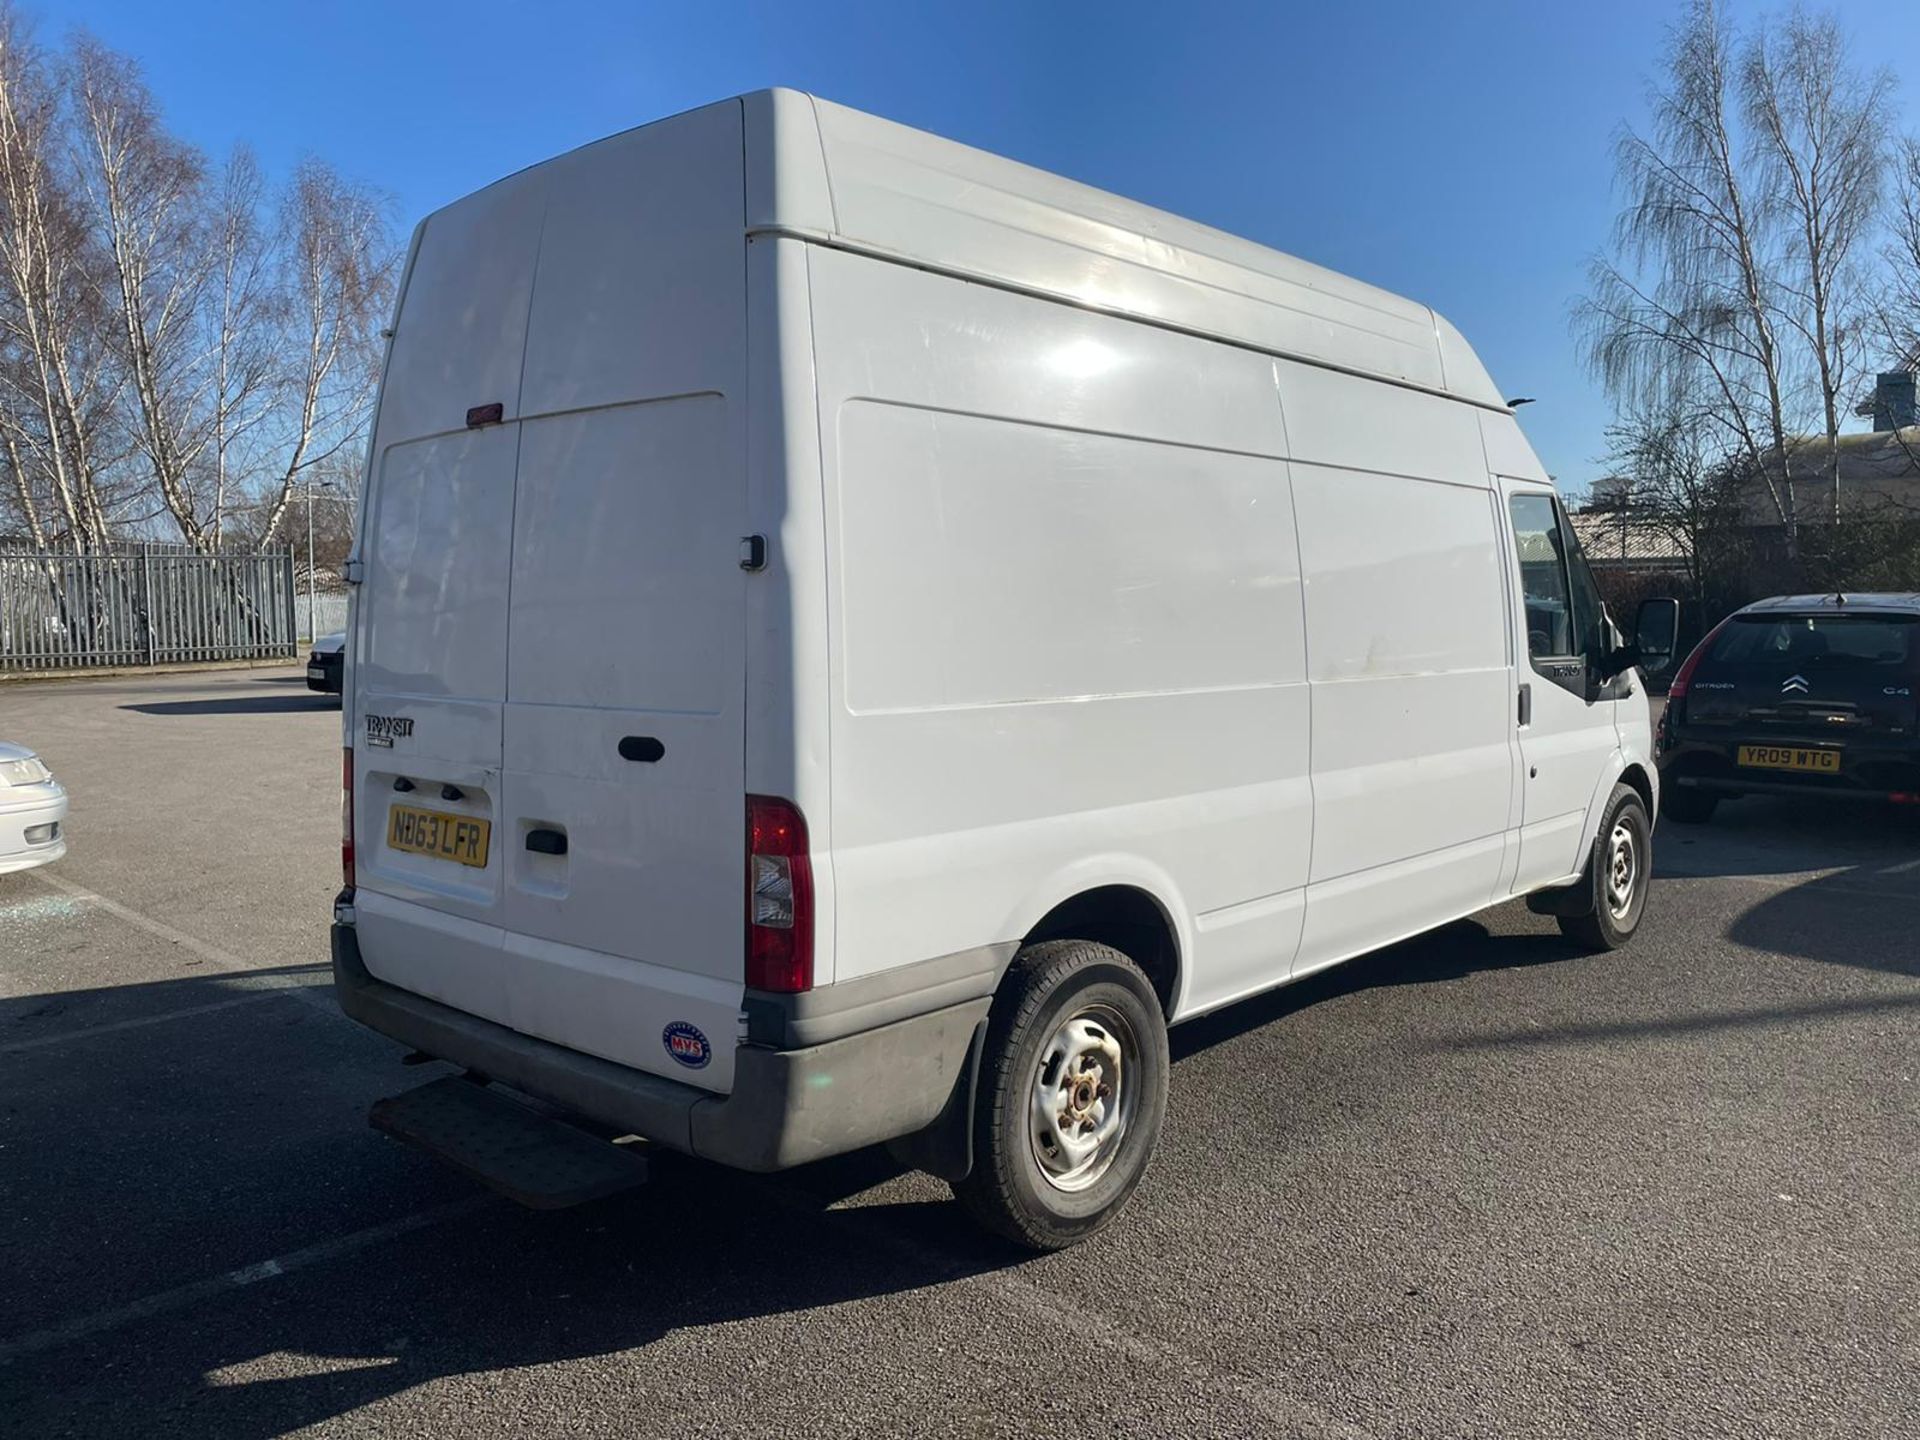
x,y
1718,786
1880,773
787,1106
324,672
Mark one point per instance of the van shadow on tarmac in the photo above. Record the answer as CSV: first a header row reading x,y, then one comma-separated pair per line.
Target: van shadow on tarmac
x,y
246,1124
220,1159
272,704
238,1133
1826,859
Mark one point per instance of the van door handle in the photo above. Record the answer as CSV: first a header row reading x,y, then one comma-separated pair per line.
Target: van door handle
x,y
1526,704
642,749
547,842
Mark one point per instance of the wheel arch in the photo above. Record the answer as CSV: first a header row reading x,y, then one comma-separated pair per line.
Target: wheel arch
x,y
1616,771
1639,777
1130,912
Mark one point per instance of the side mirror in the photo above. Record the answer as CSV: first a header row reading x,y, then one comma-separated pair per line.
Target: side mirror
x,y
1656,633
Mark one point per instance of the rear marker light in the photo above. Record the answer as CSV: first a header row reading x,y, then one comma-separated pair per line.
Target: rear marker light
x,y
346,818
779,897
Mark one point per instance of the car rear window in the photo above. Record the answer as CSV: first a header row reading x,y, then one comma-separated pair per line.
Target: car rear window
x,y
1826,640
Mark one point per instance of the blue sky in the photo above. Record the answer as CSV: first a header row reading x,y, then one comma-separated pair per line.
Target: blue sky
x,y
1458,152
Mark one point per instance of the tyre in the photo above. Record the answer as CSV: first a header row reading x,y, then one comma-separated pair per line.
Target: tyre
x,y
1688,807
1618,872
1072,1094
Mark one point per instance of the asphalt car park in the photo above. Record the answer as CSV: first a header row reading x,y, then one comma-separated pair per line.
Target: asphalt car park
x,y
1474,1184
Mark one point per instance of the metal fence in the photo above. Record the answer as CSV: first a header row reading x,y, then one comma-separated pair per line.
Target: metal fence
x,y
143,605
329,614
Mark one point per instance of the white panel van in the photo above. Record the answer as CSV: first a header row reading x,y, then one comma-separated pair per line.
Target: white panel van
x,y
854,637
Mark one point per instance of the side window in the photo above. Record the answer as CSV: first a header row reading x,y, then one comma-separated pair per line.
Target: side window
x,y
1544,583
1589,615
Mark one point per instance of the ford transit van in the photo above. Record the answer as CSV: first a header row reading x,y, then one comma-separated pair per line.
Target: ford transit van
x,y
854,637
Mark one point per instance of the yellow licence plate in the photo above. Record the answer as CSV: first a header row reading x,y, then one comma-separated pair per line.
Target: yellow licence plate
x,y
1790,757
461,838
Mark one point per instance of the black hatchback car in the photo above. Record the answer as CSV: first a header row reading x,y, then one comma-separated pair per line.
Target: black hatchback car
x,y
1801,694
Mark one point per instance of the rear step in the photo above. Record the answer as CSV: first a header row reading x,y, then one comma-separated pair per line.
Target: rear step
x,y
527,1157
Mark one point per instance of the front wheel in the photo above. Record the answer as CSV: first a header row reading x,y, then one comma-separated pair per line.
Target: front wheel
x,y
1073,1090
1619,872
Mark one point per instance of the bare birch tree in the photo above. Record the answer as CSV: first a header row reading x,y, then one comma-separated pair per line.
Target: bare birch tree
x,y
1750,255
1898,314
1819,130
147,194
246,329
57,385
1690,281
240,313
338,267
1680,480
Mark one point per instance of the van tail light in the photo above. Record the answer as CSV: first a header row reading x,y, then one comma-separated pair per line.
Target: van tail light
x,y
779,897
346,817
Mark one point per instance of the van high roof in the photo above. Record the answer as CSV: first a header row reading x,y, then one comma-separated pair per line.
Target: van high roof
x,y
839,177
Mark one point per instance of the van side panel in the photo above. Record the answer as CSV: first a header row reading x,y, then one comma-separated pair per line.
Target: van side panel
x,y
1067,646
1411,678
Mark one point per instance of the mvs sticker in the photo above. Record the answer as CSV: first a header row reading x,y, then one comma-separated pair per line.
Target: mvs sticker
x,y
687,1045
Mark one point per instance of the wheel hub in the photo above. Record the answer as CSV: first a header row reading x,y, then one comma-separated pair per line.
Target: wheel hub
x,y
1081,1102
1623,870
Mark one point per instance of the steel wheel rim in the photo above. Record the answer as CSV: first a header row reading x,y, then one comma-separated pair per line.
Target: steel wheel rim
x,y
1623,869
1082,1099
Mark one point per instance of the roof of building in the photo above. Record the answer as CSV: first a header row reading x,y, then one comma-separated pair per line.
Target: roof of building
x,y
1621,540
1879,469
323,577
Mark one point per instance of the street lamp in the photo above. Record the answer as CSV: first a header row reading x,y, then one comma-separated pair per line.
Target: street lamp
x,y
312,625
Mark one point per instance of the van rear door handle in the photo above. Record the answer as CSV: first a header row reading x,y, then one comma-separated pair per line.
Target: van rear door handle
x,y
547,842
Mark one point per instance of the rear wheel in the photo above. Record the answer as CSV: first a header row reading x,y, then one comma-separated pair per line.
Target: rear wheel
x,y
1073,1090
1619,871
1688,807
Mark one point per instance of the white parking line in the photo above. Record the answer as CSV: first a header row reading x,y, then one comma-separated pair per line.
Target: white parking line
x,y
1288,1413
192,1294
211,954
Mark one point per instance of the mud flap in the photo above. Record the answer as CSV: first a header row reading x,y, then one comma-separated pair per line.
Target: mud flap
x,y
944,1149
1568,900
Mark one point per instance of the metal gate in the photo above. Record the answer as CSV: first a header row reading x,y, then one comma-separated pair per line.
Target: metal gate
x,y
143,605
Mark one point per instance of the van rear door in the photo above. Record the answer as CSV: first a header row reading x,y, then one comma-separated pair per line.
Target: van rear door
x,y
430,643
576,669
